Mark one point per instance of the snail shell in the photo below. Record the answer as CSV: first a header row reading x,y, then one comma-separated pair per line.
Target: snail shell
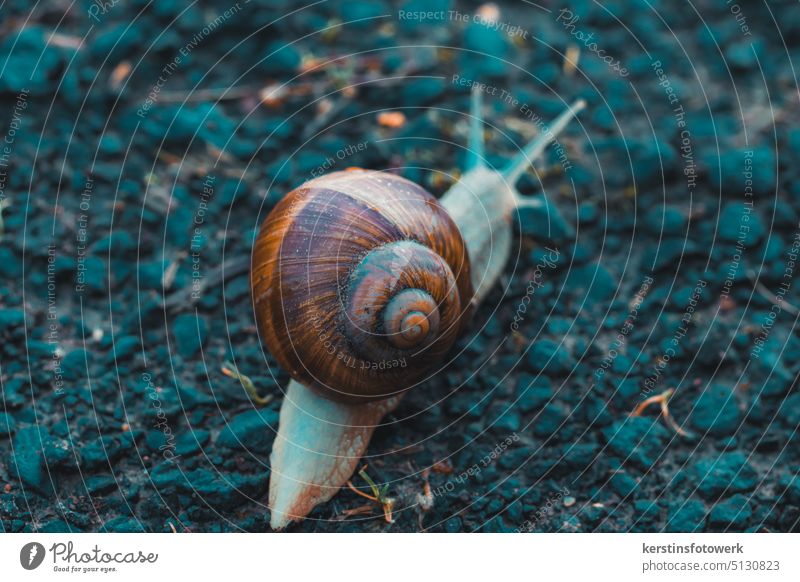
x,y
361,284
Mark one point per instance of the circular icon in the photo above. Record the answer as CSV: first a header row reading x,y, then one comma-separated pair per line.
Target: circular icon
x,y
31,555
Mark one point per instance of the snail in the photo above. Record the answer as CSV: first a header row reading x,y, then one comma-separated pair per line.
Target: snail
x,y
361,283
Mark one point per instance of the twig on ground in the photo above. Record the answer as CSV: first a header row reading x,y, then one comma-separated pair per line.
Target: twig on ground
x,y
424,499
187,297
4,203
360,510
663,400
571,59
172,270
770,296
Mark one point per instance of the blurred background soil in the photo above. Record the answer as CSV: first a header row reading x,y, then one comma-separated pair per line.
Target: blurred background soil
x,y
144,143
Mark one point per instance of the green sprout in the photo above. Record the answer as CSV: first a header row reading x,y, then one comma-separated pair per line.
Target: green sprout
x,y
379,494
232,371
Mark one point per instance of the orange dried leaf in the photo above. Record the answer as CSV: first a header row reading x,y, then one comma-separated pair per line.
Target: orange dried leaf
x,y
571,60
489,12
392,119
273,95
443,467
120,73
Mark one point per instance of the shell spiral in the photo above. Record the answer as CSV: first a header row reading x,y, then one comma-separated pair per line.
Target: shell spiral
x,y
360,283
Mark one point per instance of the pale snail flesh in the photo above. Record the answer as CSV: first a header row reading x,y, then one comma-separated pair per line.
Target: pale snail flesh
x,y
327,420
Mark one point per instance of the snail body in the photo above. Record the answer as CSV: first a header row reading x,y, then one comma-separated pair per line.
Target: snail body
x,y
362,281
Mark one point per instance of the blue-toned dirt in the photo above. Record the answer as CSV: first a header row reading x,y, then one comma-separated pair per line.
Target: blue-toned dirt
x,y
143,144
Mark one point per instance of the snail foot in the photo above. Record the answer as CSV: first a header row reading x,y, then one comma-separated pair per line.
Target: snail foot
x,y
317,449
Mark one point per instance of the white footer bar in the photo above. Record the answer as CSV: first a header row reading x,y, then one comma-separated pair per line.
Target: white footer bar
x,y
402,557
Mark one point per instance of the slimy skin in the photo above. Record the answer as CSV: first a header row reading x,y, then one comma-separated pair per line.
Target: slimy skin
x,y
318,447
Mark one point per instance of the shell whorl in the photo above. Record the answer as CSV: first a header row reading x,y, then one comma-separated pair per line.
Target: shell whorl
x,y
360,282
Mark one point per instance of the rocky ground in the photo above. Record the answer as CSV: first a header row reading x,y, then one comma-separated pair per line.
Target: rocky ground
x,y
144,143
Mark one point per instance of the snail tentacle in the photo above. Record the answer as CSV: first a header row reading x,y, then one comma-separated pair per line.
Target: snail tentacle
x,y
536,146
475,143
484,200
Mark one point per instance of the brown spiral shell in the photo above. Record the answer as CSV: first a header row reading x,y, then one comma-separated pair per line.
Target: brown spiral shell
x,y
360,284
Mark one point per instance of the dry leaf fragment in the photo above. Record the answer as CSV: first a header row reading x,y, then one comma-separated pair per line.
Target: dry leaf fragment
x,y
392,119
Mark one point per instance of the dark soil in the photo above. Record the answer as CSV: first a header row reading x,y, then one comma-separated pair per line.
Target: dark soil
x,y
144,143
